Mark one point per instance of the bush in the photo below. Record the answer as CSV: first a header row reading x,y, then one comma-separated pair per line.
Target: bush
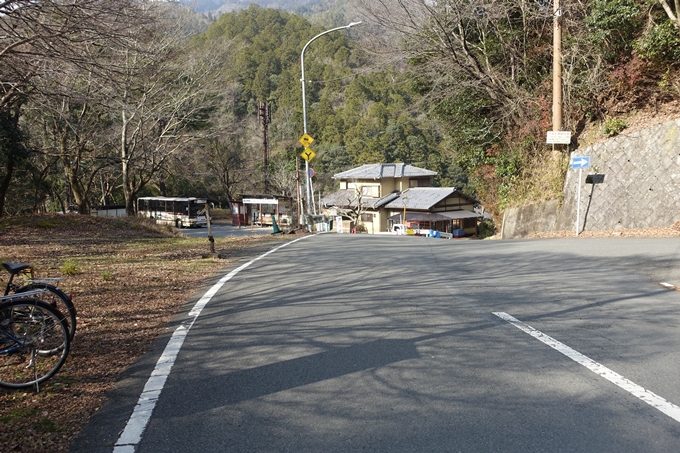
x,y
486,229
614,126
661,44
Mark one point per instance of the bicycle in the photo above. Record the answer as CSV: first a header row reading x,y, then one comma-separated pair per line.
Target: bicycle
x,y
53,295
34,340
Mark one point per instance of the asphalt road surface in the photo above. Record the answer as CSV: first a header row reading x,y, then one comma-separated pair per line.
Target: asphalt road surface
x,y
347,343
220,230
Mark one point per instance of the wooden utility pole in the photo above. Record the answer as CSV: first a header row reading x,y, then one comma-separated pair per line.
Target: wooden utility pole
x,y
298,190
557,67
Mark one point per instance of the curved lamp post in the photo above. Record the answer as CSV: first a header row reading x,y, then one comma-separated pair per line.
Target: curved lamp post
x,y
304,100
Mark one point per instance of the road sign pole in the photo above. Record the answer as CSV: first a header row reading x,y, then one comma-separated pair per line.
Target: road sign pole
x,y
304,99
578,203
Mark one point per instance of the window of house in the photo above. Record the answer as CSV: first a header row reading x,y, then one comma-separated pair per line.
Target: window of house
x,y
370,191
419,183
367,217
470,223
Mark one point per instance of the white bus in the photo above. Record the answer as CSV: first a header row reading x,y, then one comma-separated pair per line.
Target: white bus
x,y
177,211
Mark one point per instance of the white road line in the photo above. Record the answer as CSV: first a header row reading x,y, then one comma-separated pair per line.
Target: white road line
x,y
134,429
648,397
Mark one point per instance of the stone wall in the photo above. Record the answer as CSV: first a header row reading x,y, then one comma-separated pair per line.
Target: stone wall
x,y
636,186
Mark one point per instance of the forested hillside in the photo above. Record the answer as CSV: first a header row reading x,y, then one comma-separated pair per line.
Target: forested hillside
x,y
140,98
357,113
217,7
182,119
486,71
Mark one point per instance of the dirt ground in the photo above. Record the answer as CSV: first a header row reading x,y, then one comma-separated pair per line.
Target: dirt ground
x,y
127,279
655,232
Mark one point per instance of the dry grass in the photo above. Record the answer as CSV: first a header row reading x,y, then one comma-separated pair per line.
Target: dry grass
x,y
128,278
652,232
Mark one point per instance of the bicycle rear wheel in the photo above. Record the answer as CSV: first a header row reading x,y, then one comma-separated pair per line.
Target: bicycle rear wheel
x,y
57,299
34,343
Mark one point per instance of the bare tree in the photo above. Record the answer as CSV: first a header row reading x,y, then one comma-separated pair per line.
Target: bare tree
x,y
283,179
35,34
163,94
69,124
354,206
490,46
672,15
227,159
37,38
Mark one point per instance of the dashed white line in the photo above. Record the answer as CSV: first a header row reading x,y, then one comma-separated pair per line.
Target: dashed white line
x,y
648,397
136,424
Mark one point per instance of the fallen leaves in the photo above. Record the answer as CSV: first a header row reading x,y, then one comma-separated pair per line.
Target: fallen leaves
x,y
652,232
132,278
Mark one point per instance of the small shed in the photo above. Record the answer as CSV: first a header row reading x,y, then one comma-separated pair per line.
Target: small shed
x,y
261,209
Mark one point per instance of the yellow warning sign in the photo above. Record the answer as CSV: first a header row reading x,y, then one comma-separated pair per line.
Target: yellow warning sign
x,y
306,140
308,154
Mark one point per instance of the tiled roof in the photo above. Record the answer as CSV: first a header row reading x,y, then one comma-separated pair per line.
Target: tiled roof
x,y
417,198
380,171
348,197
341,198
423,197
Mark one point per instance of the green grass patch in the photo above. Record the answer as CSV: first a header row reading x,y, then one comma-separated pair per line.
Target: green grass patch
x,y
19,413
47,425
70,267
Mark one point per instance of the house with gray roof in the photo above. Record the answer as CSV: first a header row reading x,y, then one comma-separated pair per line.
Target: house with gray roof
x,y
379,195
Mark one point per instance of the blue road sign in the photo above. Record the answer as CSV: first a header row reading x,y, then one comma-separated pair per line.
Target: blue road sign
x,y
580,162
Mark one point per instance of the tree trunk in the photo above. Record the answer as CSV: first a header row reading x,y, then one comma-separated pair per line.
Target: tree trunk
x,y
4,186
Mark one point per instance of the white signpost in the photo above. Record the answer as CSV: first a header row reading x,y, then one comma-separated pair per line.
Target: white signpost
x,y
579,162
558,138
260,201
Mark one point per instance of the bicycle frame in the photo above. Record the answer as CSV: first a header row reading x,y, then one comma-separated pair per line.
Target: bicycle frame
x,y
10,284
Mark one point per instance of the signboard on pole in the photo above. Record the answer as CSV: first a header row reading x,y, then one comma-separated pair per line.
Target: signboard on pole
x,y
308,154
558,137
580,162
306,140
260,201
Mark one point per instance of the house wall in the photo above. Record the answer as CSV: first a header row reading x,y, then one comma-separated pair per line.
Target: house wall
x,y
373,226
453,203
378,189
387,185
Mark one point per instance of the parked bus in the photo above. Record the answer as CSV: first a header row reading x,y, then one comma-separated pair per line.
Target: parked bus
x,y
180,212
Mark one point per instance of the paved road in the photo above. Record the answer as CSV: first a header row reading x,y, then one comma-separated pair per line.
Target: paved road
x,y
345,343
220,230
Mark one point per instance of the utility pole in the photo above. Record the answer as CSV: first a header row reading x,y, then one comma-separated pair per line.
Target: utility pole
x,y
265,114
557,67
298,191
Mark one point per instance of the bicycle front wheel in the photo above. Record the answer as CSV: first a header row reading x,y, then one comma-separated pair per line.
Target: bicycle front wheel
x,y
57,299
34,343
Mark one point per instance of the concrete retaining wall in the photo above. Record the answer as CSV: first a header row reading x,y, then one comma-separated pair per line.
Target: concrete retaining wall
x,y
639,186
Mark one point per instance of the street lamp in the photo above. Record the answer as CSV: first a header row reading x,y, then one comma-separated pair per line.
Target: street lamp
x,y
304,101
